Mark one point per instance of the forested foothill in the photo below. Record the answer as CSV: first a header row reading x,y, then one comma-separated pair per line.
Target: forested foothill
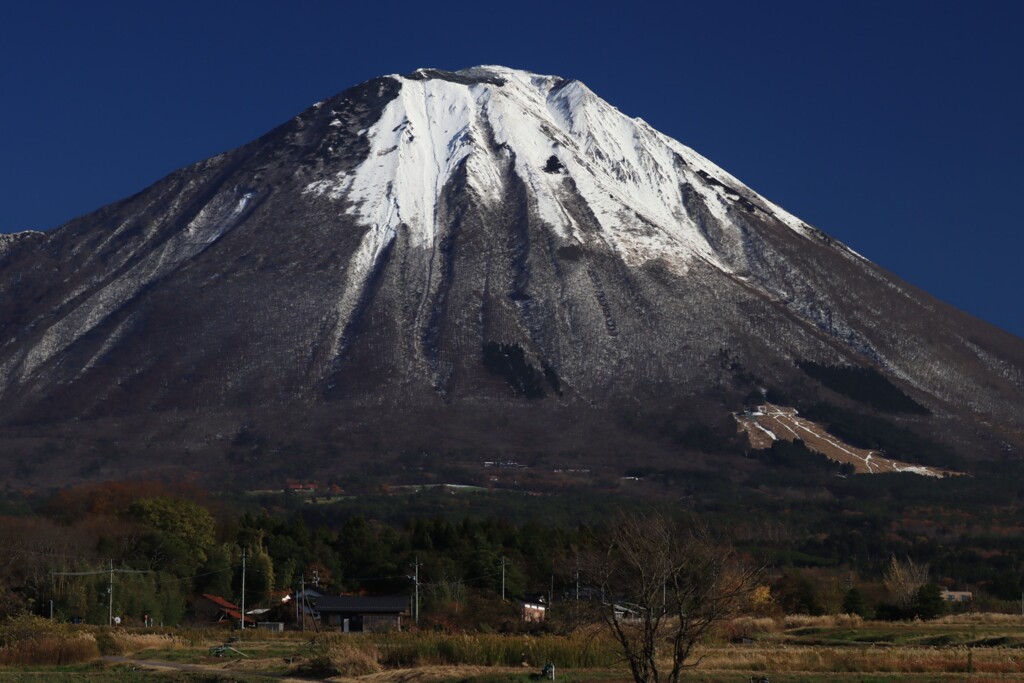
x,y
828,539
827,542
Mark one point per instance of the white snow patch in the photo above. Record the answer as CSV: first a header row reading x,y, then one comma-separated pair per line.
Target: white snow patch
x,y
629,175
764,429
421,138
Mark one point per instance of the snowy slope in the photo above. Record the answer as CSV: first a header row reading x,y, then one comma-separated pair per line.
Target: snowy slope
x,y
630,175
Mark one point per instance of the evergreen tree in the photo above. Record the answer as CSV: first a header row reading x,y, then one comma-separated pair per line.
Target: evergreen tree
x,y
854,603
928,603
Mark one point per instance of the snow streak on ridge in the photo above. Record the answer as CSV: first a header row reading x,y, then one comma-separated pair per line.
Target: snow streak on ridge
x,y
629,174
566,144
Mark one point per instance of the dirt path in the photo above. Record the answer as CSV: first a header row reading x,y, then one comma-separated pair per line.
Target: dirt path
x,y
160,665
424,674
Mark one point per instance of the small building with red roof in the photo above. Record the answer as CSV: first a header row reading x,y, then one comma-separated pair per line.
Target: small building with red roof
x,y
213,609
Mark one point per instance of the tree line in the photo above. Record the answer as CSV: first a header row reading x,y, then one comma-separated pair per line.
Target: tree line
x,y
169,543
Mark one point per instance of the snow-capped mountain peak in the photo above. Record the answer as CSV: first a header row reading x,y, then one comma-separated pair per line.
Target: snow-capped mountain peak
x,y
561,140
478,261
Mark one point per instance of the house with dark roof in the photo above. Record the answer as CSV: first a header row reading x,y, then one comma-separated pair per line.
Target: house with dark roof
x,y
356,613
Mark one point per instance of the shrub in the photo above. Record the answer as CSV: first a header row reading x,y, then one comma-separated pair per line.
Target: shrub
x,y
342,655
30,640
748,628
121,642
822,621
319,666
401,650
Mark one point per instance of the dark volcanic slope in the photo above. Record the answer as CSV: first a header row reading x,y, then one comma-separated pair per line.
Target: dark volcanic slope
x,y
486,261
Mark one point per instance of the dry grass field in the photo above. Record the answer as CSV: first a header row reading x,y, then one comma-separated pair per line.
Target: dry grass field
x,y
978,648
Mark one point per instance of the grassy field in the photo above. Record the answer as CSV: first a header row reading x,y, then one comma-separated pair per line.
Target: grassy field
x,y
977,648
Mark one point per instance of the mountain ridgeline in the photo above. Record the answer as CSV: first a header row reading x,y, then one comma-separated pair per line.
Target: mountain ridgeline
x,y
479,264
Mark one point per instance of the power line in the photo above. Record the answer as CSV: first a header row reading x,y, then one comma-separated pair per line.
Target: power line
x,y
110,585
105,571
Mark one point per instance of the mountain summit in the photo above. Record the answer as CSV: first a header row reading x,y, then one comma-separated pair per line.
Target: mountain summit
x,y
472,263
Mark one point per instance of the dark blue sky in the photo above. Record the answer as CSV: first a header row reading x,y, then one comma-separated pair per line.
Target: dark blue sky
x,y
895,126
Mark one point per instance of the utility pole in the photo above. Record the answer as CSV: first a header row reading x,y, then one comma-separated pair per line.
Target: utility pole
x,y
110,585
306,607
577,587
503,578
110,596
242,617
416,579
302,593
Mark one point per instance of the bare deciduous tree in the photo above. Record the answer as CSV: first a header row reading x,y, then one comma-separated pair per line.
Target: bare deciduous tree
x,y
903,579
663,585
